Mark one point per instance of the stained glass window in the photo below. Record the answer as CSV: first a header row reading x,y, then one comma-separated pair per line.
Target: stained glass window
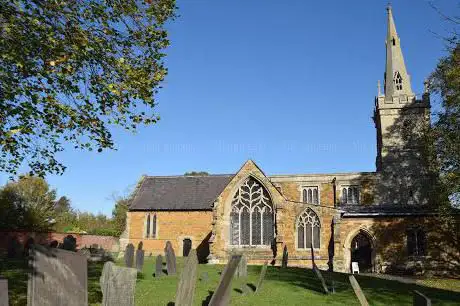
x,y
252,215
308,230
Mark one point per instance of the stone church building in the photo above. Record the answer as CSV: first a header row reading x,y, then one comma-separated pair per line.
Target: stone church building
x,y
379,219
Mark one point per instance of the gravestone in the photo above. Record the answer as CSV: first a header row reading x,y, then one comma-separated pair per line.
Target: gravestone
x,y
187,283
359,293
3,292
170,259
159,266
284,261
221,296
85,252
69,243
118,285
204,277
57,277
242,270
129,255
54,244
262,276
139,257
321,279
420,299
14,248
29,243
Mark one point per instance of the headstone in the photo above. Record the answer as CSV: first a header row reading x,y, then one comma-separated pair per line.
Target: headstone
x,y
420,299
14,248
221,296
54,244
204,277
187,283
284,261
245,289
321,279
242,270
3,292
159,266
29,243
69,243
57,277
139,257
129,255
262,276
359,293
85,252
170,259
118,285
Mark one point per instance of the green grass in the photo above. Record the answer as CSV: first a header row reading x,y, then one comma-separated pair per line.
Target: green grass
x,y
291,286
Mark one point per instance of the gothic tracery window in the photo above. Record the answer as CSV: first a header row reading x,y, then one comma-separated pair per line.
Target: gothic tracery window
x,y
308,230
252,215
398,81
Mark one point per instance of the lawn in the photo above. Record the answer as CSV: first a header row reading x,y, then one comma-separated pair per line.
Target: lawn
x,y
291,286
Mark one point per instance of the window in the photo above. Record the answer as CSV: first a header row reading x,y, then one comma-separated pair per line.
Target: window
x,y
308,230
310,195
416,242
398,81
151,226
350,195
251,217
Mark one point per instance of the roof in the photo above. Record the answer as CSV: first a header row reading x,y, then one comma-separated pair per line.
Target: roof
x,y
389,210
179,192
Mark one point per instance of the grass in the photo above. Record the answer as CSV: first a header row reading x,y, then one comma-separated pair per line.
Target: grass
x,y
291,286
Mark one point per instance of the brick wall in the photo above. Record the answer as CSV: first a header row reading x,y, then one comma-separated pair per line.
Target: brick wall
x,y
106,242
174,226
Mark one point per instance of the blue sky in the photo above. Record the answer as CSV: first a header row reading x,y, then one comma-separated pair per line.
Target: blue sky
x,y
289,84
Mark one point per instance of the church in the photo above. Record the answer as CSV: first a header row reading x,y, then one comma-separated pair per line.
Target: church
x,y
382,220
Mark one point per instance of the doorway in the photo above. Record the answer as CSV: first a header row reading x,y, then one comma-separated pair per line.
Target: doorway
x,y
186,247
361,252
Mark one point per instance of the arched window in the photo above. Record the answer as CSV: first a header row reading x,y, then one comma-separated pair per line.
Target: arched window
x,y
251,217
147,227
308,230
398,81
151,226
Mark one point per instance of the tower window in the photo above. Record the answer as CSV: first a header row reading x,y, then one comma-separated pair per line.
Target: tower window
x,y
310,195
398,81
394,41
350,195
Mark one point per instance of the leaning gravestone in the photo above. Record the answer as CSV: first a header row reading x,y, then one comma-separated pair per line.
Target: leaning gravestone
x,y
118,285
170,259
139,257
129,255
69,243
321,279
420,299
221,296
359,293
159,266
242,270
262,276
187,283
57,277
3,292
284,261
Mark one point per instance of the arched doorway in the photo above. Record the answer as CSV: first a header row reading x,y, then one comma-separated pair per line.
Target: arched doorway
x,y
361,252
186,247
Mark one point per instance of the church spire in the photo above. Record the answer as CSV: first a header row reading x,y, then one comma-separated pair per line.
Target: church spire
x,y
397,81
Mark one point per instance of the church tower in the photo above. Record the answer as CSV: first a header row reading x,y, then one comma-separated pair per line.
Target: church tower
x,y
400,120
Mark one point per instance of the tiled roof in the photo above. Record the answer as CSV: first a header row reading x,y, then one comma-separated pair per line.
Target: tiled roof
x,y
179,192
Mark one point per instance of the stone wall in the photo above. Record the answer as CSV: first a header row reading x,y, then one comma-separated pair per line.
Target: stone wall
x,y
174,226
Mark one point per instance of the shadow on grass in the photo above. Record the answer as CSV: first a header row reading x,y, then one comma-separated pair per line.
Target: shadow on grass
x,y
375,289
94,288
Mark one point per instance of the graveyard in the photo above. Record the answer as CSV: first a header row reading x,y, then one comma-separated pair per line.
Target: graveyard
x,y
278,286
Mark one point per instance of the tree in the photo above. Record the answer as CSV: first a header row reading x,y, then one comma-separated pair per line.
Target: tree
x,y
196,173
445,86
27,204
119,215
69,70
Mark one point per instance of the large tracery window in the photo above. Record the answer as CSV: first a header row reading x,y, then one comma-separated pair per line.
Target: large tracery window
x,y
308,230
251,217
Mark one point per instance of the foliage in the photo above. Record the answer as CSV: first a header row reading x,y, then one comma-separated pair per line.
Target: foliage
x,y
27,204
445,83
196,173
119,215
104,232
71,69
